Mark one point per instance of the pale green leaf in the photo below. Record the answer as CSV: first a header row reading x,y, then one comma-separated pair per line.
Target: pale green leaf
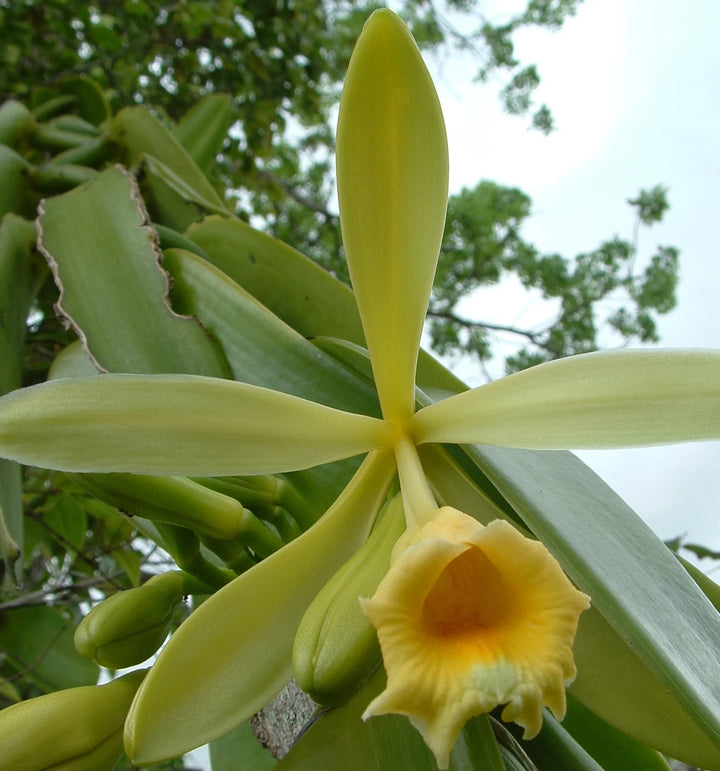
x,y
154,168
139,133
614,750
392,176
233,654
260,348
554,748
309,299
176,424
608,399
633,700
106,263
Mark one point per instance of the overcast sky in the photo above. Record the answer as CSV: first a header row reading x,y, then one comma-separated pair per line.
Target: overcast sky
x,y
634,86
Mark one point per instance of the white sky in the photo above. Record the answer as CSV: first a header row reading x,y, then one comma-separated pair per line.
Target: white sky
x,y
634,86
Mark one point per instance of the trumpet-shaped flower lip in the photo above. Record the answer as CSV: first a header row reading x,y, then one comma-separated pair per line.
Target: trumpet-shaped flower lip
x,y
470,617
392,176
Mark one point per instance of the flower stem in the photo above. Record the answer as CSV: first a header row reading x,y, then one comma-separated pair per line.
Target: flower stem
x,y
418,498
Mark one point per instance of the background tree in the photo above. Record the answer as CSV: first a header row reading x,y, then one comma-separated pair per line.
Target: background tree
x,y
283,64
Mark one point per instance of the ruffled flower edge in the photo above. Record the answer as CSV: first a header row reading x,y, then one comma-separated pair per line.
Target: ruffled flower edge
x,y
470,617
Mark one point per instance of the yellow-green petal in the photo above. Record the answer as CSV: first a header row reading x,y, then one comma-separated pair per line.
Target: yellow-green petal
x,y
598,400
233,653
176,424
392,172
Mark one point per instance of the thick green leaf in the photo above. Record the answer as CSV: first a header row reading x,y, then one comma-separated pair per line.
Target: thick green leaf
x,y
239,749
339,738
318,304
140,133
554,748
182,425
203,128
106,262
166,205
91,102
38,642
633,700
632,578
72,361
16,122
155,171
233,654
613,750
260,348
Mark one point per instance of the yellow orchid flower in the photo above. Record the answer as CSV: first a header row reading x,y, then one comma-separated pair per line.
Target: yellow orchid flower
x,y
484,612
469,617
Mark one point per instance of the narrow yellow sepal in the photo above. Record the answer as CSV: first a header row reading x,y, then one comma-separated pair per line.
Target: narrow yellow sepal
x,y
392,171
233,653
176,424
597,400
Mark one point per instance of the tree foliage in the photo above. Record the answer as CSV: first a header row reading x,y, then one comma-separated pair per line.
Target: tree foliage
x,y
600,295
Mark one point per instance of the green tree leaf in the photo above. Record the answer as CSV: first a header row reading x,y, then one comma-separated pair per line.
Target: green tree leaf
x,y
38,642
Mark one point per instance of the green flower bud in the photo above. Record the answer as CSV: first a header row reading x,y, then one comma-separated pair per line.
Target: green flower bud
x,y
336,647
130,626
173,500
76,729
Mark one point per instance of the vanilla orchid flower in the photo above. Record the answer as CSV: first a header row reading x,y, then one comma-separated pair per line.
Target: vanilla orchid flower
x,y
472,616
233,653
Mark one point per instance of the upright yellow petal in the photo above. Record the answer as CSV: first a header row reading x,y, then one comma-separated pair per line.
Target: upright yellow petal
x,y
470,617
392,172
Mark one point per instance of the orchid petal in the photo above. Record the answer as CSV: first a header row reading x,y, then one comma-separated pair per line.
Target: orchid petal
x,y
233,653
597,400
392,173
176,424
